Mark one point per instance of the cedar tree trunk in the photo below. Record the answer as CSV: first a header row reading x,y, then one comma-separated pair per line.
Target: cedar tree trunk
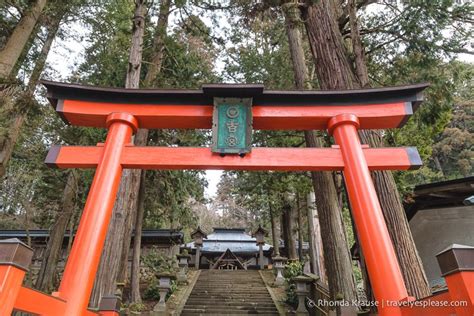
x,y
153,70
16,42
300,228
336,251
291,231
275,235
137,241
336,71
47,271
22,104
315,244
126,202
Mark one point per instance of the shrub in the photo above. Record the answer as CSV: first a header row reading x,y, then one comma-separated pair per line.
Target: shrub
x,y
292,269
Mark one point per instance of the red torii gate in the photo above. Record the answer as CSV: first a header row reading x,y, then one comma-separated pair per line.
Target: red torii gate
x,y
342,113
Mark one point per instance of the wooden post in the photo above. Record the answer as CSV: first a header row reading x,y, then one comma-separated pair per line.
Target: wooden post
x,y
15,257
81,267
110,306
384,272
457,267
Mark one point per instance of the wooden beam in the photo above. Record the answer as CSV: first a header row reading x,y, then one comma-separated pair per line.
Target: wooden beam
x,y
33,301
278,159
268,117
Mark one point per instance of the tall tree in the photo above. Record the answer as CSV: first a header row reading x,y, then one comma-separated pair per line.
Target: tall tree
x,y
161,28
316,254
153,70
336,250
135,296
289,222
18,39
127,196
21,106
275,233
335,70
49,263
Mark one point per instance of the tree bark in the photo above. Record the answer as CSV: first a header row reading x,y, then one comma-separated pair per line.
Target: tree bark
x,y
300,228
333,67
335,71
18,39
137,241
358,49
158,43
284,231
275,235
291,231
22,105
128,195
337,256
141,138
336,251
126,202
136,51
52,253
314,239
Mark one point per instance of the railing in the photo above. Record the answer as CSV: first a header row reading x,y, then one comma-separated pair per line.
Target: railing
x,y
318,291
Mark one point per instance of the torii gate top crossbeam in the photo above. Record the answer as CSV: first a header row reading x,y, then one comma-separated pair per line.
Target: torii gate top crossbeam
x,y
272,110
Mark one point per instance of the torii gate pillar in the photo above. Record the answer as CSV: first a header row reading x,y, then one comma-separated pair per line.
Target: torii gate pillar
x,y
81,267
386,277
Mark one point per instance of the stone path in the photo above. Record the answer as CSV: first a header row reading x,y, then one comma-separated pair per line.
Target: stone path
x,y
229,292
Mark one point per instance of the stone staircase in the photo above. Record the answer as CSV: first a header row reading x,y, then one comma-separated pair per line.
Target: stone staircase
x,y
229,292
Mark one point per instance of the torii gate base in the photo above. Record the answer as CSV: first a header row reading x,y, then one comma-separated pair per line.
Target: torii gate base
x,y
123,112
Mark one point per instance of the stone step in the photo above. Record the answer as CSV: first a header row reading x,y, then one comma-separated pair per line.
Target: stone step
x,y
265,304
225,291
225,311
230,313
230,298
225,276
220,292
256,290
231,287
230,304
228,301
231,280
205,295
228,293
231,284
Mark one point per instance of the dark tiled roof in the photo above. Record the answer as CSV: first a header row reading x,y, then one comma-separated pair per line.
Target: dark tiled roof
x,y
235,239
442,194
149,235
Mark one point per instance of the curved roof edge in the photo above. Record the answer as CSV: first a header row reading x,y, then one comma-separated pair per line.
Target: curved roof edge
x,y
261,96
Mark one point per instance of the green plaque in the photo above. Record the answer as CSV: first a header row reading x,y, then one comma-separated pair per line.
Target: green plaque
x,y
232,125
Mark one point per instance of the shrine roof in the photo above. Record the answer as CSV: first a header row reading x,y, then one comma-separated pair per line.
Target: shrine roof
x,y
261,96
149,236
235,239
436,195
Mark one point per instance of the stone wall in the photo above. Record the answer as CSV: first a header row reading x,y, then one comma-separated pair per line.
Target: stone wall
x,y
436,229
